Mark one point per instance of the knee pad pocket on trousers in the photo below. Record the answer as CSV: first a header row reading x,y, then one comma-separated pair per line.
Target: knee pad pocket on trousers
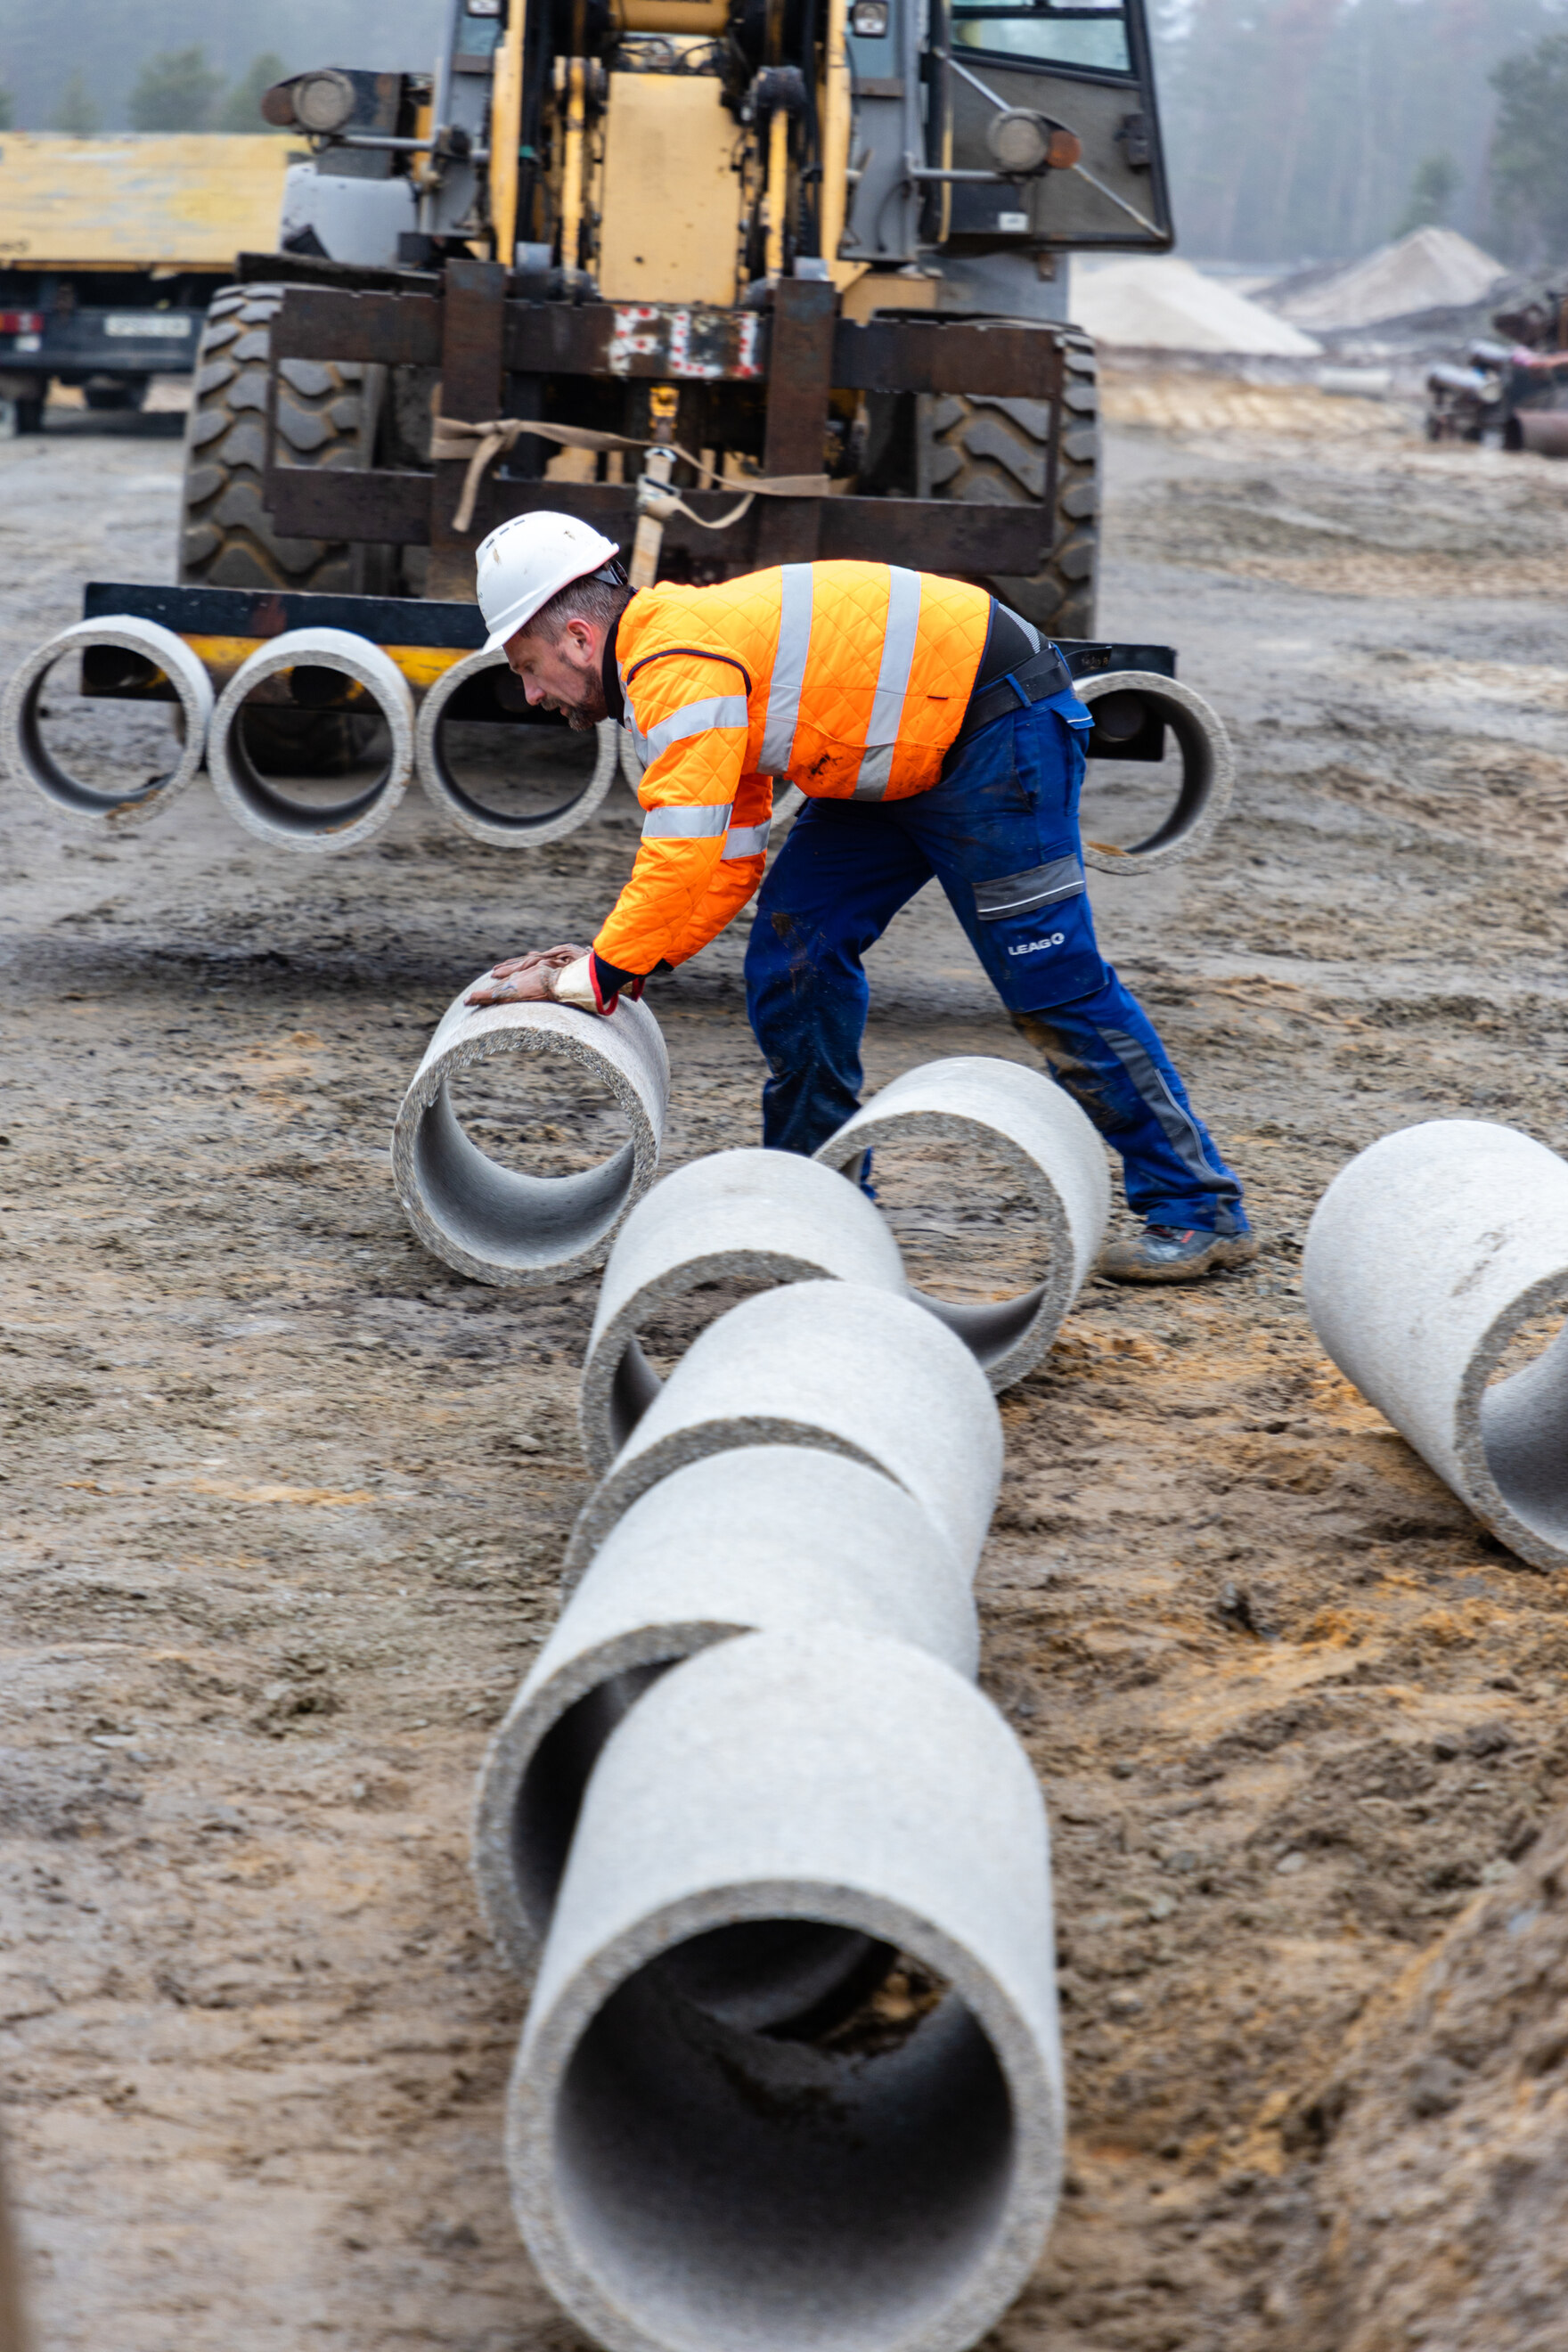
x,y
1044,952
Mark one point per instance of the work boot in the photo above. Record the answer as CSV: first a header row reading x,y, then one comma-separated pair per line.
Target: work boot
x,y
1174,1253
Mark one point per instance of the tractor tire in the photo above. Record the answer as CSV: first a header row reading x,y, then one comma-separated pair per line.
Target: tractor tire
x,y
226,537
996,452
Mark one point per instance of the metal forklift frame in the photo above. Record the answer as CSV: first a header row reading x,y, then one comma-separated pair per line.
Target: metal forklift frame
x,y
470,325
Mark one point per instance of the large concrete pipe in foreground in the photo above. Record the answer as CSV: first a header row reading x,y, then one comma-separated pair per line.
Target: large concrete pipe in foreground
x,y
875,2173
746,1213
116,654
494,1224
466,693
1424,1258
770,1537
831,1365
328,671
1057,1158
1128,703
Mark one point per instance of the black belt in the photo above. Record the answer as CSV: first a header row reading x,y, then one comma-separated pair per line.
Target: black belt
x,y
1035,681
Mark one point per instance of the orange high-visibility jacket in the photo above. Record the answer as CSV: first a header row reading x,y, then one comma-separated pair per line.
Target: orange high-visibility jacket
x,y
848,680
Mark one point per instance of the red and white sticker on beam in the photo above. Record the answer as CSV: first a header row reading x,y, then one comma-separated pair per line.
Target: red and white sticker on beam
x,y
695,343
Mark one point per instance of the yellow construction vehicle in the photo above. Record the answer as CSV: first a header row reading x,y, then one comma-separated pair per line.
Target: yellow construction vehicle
x,y
833,230
111,249
740,281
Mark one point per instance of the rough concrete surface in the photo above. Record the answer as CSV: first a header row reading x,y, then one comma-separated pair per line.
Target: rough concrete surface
x,y
1426,1259
286,1499
856,2175
834,1366
359,810
444,786
128,796
765,1537
500,1224
749,1216
1198,740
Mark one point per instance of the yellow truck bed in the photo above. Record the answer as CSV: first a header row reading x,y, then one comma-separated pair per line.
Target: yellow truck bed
x,y
138,199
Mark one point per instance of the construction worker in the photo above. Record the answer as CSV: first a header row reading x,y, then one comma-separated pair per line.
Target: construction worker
x,y
934,733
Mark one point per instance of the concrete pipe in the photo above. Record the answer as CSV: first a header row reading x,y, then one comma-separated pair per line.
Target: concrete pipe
x,y
494,1224
736,1214
312,660
1543,430
770,1537
1424,1258
432,761
1208,764
123,652
831,1365
788,799
877,2171
1054,1155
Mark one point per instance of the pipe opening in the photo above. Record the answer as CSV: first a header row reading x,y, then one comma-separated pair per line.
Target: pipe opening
x,y
91,751
519,776
527,1184
734,2184
1160,770
678,1319
1135,802
504,773
312,741
1523,1413
551,1796
975,1246
311,763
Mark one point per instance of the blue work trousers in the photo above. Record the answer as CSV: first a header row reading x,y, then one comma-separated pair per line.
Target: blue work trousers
x,y
1000,833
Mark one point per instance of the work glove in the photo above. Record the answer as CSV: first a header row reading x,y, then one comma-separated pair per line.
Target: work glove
x,y
528,979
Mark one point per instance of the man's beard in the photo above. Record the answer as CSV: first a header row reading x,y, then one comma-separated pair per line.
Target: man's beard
x,y
585,715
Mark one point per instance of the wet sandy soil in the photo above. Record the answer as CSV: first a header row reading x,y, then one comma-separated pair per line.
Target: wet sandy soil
x,y
284,1499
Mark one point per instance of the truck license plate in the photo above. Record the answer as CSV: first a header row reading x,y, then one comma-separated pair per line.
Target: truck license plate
x,y
148,322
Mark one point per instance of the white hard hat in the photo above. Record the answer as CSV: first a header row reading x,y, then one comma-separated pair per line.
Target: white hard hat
x,y
527,560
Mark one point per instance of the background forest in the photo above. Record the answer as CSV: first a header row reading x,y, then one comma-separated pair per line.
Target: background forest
x,y
1315,128
1297,130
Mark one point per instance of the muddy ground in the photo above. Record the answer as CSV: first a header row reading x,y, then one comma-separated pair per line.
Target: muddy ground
x,y
285,1497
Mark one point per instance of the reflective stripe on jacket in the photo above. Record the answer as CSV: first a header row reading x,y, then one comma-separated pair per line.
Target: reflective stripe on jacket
x,y
848,680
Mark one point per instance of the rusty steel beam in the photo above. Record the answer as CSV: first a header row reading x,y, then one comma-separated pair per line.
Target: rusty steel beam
x,y
800,376
932,534
322,322
889,355
676,343
471,368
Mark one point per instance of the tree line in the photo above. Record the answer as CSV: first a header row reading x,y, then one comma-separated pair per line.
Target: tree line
x,y
1296,128
163,65
1317,129
177,89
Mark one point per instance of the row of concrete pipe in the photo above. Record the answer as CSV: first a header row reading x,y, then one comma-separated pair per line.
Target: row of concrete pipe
x,y
1426,1258
791,2074
765,1215
211,734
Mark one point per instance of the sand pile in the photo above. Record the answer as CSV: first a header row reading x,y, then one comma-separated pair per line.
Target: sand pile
x,y
1166,305
1430,269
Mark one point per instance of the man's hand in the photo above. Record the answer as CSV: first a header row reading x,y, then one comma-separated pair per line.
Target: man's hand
x,y
525,979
